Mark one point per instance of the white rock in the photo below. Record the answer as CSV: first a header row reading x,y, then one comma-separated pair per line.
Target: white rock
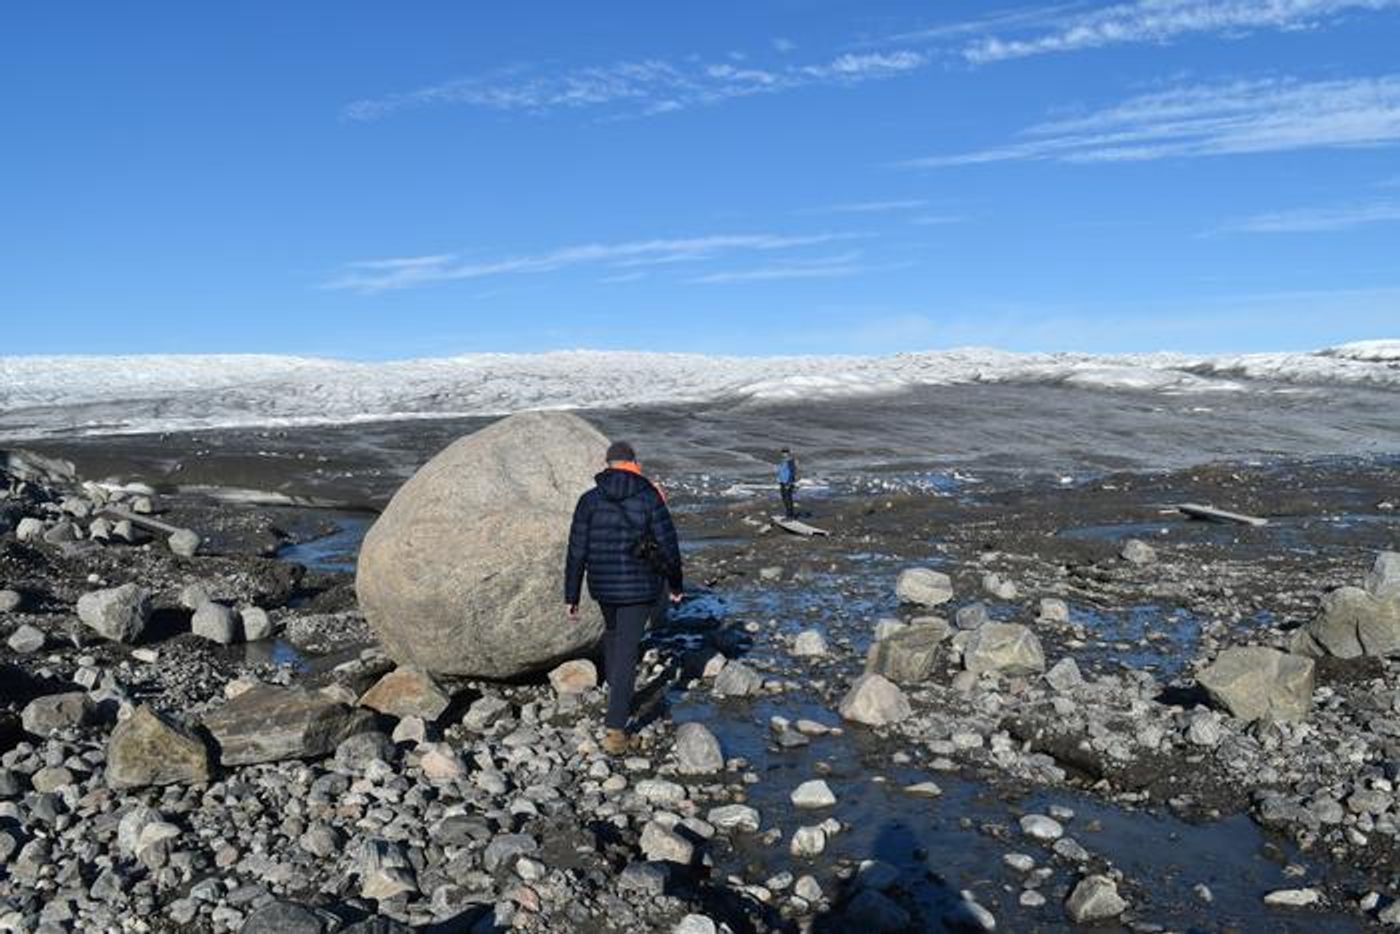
x,y
813,794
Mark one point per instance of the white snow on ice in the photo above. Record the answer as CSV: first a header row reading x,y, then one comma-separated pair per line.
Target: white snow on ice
x,y
42,395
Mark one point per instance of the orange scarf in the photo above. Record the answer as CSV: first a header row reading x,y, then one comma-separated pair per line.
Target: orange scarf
x,y
636,468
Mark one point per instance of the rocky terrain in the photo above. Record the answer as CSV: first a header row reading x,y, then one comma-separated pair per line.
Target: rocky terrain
x,y
995,707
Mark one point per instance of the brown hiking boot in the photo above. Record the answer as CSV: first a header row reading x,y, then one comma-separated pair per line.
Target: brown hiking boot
x,y
616,742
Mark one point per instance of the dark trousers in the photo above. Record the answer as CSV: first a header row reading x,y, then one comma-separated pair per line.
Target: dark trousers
x,y
786,489
622,639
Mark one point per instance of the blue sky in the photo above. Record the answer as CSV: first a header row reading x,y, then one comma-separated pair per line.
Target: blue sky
x,y
385,180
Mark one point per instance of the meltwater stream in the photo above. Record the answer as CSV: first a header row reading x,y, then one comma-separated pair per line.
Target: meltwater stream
x,y
940,846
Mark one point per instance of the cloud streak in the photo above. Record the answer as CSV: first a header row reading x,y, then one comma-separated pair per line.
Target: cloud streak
x,y
821,267
1275,115
869,207
646,87
1164,20
378,275
1314,220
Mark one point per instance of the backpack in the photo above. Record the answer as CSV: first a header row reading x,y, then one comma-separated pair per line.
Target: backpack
x,y
646,548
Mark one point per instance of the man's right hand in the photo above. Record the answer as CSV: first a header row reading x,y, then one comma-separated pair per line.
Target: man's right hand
x,y
572,611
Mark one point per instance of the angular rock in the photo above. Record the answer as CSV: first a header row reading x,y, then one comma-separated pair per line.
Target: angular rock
x,y
908,656
26,640
813,794
808,842
407,692
1383,580
184,543
875,701
10,600
1064,676
215,622
1352,623
53,713
735,817
1254,682
118,614
1009,648
999,587
356,753
460,574
1135,551
661,844
257,625
575,676
923,587
972,616
1095,898
697,750
195,595
149,748
1053,610
737,680
270,724
29,529
809,643
283,917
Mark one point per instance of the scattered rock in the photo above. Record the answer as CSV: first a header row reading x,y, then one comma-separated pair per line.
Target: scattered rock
x,y
1053,610
908,656
576,676
184,543
813,794
1009,648
118,614
923,587
665,845
10,600
215,622
808,842
1064,676
1095,898
270,724
26,640
53,713
149,748
737,680
809,644
1254,683
1383,580
999,587
257,625
697,750
1352,623
407,692
1293,898
1137,552
972,616
875,701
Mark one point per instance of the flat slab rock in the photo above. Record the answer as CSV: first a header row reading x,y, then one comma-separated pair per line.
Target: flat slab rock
x,y
271,724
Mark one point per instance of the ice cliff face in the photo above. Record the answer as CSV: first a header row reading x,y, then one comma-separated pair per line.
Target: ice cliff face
x,y
46,395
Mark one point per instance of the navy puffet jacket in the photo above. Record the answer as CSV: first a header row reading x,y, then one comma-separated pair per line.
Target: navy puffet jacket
x,y
601,541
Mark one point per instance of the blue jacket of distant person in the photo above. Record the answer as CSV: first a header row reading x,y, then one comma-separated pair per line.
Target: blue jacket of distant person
x,y
608,521
787,471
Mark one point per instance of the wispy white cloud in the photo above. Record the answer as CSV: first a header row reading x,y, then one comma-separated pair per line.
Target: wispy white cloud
x,y
378,275
1164,20
645,87
936,220
784,45
1310,220
869,207
823,267
1273,115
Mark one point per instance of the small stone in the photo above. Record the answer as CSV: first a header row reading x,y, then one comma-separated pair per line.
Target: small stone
x,y
577,676
1293,898
875,701
184,543
1383,580
809,644
924,790
407,692
215,622
1095,898
26,640
1064,676
734,817
813,794
53,713
808,842
924,587
999,587
662,844
10,600
118,614
257,625
193,596
697,750
737,680
695,924
1040,827
1053,610
1137,552
149,748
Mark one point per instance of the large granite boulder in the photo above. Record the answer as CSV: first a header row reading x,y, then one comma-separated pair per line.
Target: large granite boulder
x,y
1009,648
462,573
1351,623
269,724
1254,682
149,748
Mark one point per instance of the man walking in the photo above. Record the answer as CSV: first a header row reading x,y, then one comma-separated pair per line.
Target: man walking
x,y
623,538
787,482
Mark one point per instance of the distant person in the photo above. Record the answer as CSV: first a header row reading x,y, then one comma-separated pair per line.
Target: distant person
x,y
623,538
787,482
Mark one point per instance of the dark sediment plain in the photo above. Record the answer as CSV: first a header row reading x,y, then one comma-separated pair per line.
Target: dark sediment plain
x,y
1060,729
